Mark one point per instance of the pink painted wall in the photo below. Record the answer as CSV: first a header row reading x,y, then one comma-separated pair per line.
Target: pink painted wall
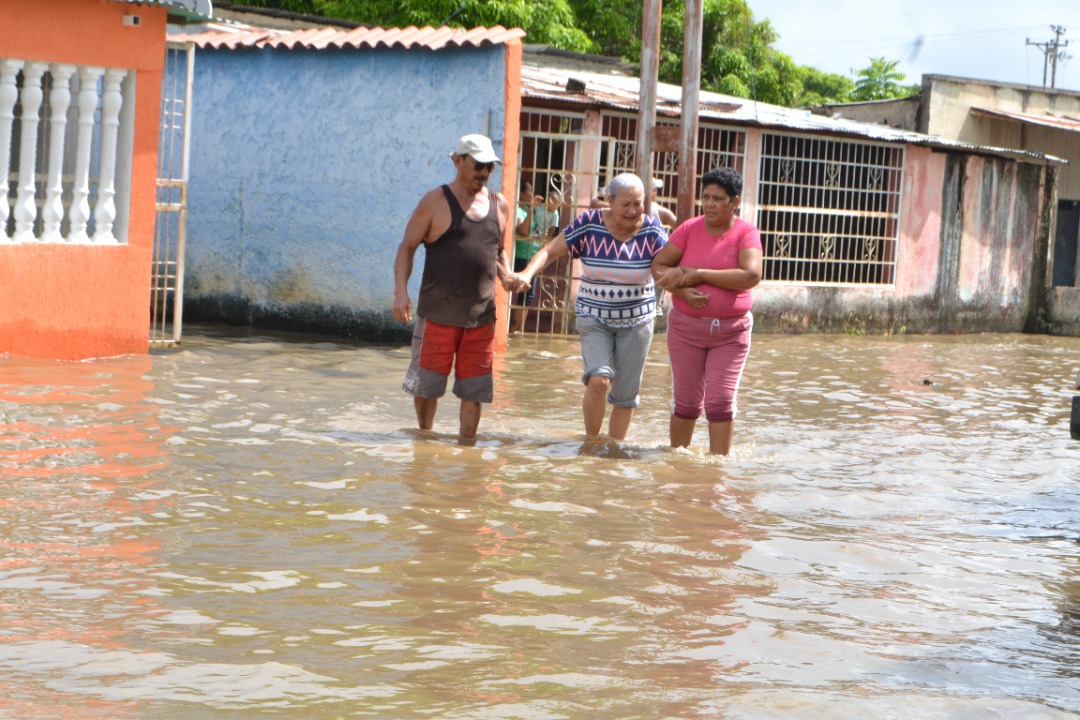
x,y
920,223
72,302
971,237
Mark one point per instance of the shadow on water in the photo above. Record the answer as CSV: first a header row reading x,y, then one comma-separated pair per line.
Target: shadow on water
x,y
252,527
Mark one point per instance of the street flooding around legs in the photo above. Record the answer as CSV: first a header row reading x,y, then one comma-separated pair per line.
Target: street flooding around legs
x,y
251,527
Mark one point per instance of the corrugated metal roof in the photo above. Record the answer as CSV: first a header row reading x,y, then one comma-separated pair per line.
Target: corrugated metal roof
x,y
195,10
607,87
1058,122
225,37
606,84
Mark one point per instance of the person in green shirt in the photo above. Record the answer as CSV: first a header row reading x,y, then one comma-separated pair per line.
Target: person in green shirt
x,y
523,250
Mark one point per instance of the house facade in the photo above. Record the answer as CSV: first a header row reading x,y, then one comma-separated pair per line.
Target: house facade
x,y
865,228
79,112
1006,115
311,148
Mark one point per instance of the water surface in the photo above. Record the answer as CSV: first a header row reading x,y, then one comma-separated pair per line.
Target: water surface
x,y
250,527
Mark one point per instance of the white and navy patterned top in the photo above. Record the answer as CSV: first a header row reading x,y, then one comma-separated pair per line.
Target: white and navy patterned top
x,y
616,281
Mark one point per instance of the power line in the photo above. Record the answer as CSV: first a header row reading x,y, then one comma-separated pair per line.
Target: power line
x,y
835,46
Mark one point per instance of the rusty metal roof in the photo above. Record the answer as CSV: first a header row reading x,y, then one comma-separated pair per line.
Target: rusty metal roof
x,y
1058,122
587,84
220,36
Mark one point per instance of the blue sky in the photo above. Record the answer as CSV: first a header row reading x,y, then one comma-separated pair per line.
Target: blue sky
x,y
968,38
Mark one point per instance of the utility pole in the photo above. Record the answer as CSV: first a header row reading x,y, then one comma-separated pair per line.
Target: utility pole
x,y
650,68
1051,50
691,83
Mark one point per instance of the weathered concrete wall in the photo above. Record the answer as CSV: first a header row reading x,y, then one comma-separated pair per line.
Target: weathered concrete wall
x,y
305,167
902,113
1063,311
947,105
967,258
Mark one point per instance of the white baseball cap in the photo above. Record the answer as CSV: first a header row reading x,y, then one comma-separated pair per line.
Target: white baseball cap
x,y
478,147
657,184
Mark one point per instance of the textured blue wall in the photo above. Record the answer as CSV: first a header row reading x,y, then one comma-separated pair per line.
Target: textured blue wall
x,y
305,167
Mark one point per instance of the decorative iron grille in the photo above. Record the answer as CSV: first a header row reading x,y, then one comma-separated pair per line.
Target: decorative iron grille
x,y
829,210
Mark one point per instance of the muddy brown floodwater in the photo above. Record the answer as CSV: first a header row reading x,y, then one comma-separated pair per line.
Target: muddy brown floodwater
x,y
250,527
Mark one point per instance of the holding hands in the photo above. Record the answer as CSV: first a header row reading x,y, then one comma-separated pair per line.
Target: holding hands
x,y
514,283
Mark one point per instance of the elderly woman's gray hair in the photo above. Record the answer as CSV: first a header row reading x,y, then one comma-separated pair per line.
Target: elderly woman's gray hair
x,y
625,181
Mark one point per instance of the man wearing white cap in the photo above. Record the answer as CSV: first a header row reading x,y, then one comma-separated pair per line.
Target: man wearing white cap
x,y
460,226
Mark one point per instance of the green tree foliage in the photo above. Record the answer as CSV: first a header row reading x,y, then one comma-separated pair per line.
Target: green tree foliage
x,y
737,53
822,88
879,81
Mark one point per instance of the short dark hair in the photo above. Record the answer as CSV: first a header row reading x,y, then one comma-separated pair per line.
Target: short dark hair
x,y
725,177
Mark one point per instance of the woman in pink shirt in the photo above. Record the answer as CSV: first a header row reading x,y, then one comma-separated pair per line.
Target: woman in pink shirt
x,y
709,266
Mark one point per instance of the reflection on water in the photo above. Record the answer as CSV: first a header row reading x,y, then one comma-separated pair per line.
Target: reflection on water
x,y
252,528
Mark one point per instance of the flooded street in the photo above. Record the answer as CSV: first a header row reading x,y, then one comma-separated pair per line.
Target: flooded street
x,y
249,528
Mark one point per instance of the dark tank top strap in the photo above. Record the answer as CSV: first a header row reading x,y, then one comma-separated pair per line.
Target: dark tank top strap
x,y
456,213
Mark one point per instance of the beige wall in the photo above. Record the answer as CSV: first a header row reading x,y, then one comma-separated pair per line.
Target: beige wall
x,y
947,113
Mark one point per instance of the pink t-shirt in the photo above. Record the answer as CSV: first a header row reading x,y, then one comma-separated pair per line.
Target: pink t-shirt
x,y
715,252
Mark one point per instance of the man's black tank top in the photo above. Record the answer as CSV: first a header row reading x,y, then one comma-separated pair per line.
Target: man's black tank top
x,y
458,285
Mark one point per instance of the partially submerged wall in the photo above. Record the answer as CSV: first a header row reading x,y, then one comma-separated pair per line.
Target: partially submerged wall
x,y
972,230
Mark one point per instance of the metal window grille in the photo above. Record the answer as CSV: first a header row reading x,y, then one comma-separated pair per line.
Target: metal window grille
x,y
717,147
557,154
829,210
620,151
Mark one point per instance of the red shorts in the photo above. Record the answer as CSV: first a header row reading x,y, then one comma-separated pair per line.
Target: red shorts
x,y
437,349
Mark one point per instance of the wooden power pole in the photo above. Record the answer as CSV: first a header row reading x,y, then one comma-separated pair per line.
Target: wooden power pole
x,y
691,83
650,69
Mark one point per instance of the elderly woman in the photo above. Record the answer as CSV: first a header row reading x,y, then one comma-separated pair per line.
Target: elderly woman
x,y
615,302
709,267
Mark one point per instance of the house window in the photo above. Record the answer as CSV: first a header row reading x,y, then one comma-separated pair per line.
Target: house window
x,y
828,210
65,152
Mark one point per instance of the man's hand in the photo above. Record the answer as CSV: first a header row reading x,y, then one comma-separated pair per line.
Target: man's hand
x,y
515,283
402,307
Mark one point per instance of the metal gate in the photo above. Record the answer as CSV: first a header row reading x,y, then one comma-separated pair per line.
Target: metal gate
x,y
170,223
567,169
560,155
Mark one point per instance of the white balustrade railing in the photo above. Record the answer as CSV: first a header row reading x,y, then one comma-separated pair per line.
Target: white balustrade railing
x,y
65,142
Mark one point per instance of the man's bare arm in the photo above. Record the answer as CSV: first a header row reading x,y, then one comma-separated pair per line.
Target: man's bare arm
x,y
416,231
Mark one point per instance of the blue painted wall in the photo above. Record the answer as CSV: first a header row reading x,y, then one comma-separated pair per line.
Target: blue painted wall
x,y
305,167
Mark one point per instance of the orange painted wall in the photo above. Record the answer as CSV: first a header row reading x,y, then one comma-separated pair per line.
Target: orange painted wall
x,y
72,302
511,139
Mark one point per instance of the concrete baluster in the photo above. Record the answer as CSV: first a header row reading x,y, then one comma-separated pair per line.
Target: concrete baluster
x,y
105,210
25,203
59,102
9,95
80,202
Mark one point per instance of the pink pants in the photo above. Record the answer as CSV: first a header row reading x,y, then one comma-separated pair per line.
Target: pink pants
x,y
707,360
